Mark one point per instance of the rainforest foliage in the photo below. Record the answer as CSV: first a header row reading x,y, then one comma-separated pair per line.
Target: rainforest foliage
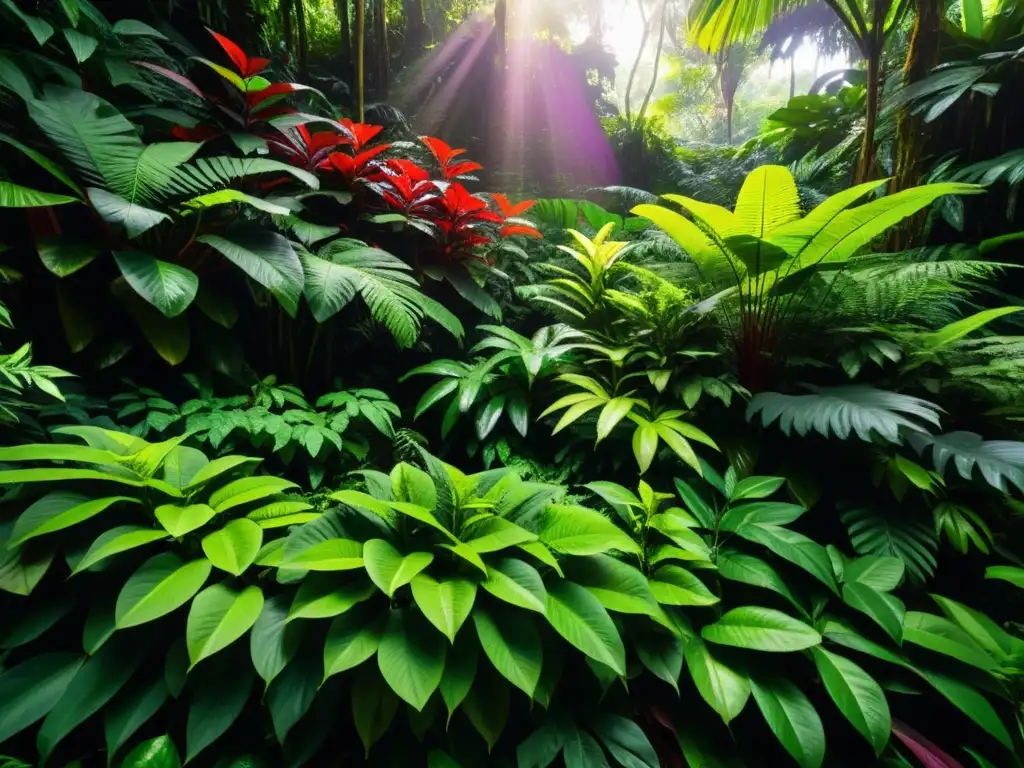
x,y
318,448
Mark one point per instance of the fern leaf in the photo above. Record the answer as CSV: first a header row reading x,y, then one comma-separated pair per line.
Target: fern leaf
x,y
842,410
998,461
912,540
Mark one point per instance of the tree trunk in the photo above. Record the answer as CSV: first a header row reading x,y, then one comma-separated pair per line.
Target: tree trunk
x,y
382,57
286,23
415,29
360,64
300,18
792,76
922,57
636,62
866,160
657,61
345,49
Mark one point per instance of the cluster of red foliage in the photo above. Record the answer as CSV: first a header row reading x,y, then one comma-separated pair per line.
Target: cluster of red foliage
x,y
456,219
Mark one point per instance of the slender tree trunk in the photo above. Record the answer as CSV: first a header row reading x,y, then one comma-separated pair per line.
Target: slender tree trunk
x,y
922,57
636,61
286,23
382,57
345,48
500,33
866,160
792,76
300,18
657,62
360,64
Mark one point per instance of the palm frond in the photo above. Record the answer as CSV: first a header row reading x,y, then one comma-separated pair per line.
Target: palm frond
x,y
998,461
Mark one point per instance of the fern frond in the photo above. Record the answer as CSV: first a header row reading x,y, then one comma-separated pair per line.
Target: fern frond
x,y
894,534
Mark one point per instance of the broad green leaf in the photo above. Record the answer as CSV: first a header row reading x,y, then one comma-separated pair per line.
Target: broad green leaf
x,y
792,718
459,671
542,746
291,694
37,157
374,706
857,695
761,629
329,555
989,635
725,690
234,547
179,520
796,548
580,531
153,753
214,705
968,700
760,512
960,328
325,597
82,46
115,541
268,258
216,468
166,286
495,533
96,683
273,641
136,219
161,585
518,583
626,741
34,621
618,586
841,632
941,635
182,464
487,706
446,604
411,657
413,485
388,568
673,585
682,534
220,615
752,570
59,510
244,490
662,654
886,610
132,708
880,573
16,196
513,645
580,618
31,689
581,750
756,487
64,258
1006,573
352,639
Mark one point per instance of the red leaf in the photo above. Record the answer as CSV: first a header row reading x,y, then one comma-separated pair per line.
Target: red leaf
x,y
362,133
929,754
441,150
518,229
461,169
171,75
237,55
252,98
323,140
256,65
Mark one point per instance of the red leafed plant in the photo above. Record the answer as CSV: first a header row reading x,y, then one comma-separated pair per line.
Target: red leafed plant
x,y
446,158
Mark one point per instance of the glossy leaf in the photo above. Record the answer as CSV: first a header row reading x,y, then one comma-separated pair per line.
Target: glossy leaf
x,y
218,617
411,657
446,604
388,568
858,696
761,629
792,718
580,618
234,547
512,644
161,585
725,690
